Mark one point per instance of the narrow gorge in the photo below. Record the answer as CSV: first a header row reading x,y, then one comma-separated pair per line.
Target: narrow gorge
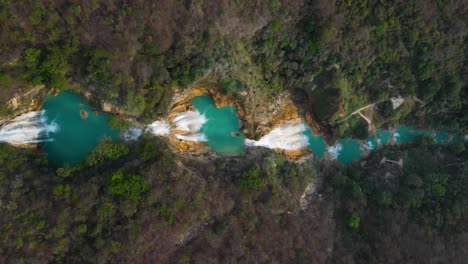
x,y
69,129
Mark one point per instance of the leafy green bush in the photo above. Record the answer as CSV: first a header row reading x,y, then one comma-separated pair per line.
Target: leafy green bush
x,y
147,150
135,103
31,57
384,198
250,180
352,220
106,149
6,81
127,185
117,122
82,229
49,66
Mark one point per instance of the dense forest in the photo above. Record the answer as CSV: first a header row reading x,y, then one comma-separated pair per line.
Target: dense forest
x,y
144,202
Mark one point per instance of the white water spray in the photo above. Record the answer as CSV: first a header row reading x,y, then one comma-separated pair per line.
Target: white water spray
x,y
369,145
198,137
28,128
334,150
132,133
190,121
288,137
159,128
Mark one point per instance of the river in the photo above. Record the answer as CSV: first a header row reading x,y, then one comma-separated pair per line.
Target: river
x,y
69,129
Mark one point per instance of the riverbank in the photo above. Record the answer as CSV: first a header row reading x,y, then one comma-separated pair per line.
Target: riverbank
x,y
205,121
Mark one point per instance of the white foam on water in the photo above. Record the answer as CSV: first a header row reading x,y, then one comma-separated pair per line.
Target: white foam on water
x,y
288,137
190,121
249,142
396,136
132,133
334,150
368,146
159,128
193,137
29,128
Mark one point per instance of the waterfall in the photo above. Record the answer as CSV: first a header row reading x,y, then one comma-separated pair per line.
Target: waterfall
x,y
190,121
28,128
159,128
132,133
334,150
198,137
288,137
369,145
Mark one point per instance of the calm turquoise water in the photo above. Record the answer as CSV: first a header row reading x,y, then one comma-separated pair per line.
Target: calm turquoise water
x,y
316,143
441,136
406,134
222,126
350,148
383,136
350,151
77,137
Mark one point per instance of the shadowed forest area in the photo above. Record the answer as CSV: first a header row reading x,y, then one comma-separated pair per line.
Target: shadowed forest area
x,y
144,202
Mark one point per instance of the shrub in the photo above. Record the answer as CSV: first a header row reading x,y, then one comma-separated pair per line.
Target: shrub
x,y
127,185
31,57
135,103
250,180
352,220
106,150
147,150
82,229
117,123
384,198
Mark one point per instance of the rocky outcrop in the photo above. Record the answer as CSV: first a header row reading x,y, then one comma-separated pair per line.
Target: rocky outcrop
x,y
266,117
190,147
30,100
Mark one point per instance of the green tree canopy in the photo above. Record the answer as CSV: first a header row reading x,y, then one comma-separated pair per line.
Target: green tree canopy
x,y
127,185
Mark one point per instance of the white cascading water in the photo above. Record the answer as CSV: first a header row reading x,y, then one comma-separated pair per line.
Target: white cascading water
x,y
132,134
334,150
28,128
159,128
198,137
288,137
190,121
368,146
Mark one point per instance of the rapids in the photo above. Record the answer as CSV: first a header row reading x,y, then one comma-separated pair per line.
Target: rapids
x,y
68,137
287,136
